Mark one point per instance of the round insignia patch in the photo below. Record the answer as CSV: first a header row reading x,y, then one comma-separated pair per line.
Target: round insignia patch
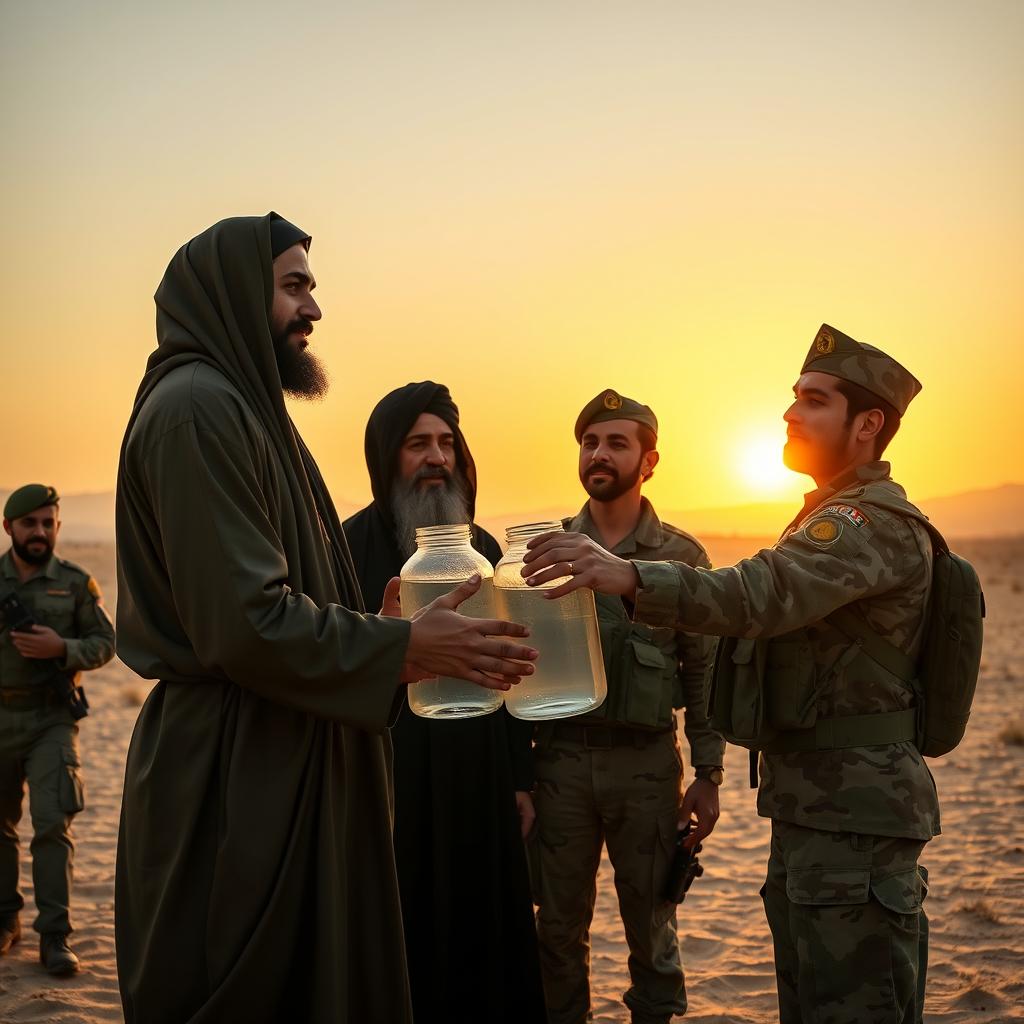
x,y
825,343
612,401
824,531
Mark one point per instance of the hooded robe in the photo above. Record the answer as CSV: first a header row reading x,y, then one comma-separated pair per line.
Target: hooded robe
x,y
466,904
255,875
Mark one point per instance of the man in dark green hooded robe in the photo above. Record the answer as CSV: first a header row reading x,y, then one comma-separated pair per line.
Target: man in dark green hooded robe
x,y
255,872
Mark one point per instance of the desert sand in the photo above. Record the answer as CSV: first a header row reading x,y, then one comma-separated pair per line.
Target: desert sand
x,y
976,902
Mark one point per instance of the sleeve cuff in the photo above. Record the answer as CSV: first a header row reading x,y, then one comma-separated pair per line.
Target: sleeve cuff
x,y
657,600
709,750
72,660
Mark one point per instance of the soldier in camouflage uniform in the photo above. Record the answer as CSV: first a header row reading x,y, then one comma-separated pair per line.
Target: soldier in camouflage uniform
x,y
614,774
851,800
38,734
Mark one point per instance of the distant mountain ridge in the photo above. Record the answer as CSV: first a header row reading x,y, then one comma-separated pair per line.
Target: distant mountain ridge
x,y
989,512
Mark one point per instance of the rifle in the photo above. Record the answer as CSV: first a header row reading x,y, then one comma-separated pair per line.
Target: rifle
x,y
20,620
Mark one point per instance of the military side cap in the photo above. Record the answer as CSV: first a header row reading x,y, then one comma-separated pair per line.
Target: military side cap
x,y
610,405
840,356
28,498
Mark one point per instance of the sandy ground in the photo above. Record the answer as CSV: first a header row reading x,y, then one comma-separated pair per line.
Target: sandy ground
x,y
976,903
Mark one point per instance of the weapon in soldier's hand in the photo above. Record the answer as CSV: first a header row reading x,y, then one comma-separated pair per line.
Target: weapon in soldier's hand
x,y
684,868
20,620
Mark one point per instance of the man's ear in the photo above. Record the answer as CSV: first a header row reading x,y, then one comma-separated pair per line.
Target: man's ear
x,y
874,420
7,527
648,462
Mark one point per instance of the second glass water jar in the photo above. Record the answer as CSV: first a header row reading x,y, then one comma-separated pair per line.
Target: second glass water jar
x,y
568,674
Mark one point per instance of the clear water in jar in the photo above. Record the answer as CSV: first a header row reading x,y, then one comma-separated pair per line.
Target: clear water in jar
x,y
568,674
444,696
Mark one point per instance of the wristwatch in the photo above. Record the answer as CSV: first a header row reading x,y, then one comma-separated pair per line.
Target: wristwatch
x,y
711,773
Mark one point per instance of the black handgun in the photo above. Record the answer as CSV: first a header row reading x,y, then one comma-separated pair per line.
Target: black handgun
x,y
20,620
683,870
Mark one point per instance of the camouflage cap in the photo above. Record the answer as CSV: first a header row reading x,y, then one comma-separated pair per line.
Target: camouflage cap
x,y
610,405
837,354
28,498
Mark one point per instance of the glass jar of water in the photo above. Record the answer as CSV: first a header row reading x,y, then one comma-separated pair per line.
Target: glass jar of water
x,y
568,677
443,559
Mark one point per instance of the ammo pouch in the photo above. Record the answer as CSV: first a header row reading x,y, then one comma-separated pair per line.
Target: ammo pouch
x,y
764,696
761,689
70,788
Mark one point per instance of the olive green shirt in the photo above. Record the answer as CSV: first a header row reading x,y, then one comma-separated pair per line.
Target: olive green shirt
x,y
842,549
653,669
66,598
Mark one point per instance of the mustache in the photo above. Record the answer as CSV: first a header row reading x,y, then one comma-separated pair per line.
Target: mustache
x,y
299,327
432,473
607,470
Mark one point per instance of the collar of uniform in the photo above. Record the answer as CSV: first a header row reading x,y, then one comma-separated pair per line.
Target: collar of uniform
x,y
866,473
10,570
7,567
647,531
50,569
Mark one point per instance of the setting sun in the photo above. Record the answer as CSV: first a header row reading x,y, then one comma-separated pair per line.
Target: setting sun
x,y
760,464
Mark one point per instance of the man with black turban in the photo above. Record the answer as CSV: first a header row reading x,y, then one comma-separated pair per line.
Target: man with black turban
x,y
458,785
255,873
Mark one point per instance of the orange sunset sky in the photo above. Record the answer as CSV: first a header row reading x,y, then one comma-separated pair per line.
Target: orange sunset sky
x,y
531,202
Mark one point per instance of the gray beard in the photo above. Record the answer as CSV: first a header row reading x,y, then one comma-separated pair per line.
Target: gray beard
x,y
413,507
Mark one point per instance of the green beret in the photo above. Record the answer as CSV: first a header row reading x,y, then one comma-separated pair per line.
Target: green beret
x,y
840,356
610,405
28,498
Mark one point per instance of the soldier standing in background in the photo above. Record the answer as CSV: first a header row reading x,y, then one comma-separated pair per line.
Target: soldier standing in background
x,y
38,734
851,800
613,775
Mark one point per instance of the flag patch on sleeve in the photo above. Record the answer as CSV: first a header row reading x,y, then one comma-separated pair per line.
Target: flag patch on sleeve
x,y
854,515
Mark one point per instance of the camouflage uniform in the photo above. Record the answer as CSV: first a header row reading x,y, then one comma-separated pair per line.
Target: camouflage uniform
x,y
844,890
39,737
614,775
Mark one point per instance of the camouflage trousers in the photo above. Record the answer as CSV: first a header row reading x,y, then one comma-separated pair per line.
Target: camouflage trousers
x,y
628,797
39,745
850,934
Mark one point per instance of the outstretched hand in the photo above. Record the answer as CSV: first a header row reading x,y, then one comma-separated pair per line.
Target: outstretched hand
x,y
553,556
445,643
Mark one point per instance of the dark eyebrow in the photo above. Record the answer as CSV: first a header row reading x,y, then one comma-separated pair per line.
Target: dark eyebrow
x,y
590,435
300,278
426,437
817,392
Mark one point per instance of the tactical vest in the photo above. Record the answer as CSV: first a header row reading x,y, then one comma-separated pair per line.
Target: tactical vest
x,y
641,668
765,693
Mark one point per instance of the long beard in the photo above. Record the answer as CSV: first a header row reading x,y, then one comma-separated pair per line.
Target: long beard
x,y
302,374
413,506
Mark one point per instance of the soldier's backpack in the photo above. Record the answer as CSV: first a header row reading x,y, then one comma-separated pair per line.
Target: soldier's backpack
x,y
763,693
946,673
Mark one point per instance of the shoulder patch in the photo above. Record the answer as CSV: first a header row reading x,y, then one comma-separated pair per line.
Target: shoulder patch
x,y
824,531
854,515
94,588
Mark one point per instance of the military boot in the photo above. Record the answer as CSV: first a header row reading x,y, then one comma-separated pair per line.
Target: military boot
x,y
10,932
55,955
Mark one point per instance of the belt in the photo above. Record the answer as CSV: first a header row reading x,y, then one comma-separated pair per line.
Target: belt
x,y
872,730
25,698
605,737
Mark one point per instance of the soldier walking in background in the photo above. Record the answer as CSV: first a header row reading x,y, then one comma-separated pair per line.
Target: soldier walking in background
x,y
614,775
851,800
52,627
